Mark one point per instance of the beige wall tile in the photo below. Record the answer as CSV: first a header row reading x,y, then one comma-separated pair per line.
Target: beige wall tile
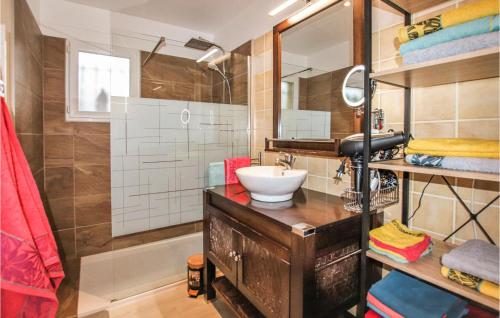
x,y
478,99
259,83
392,103
486,129
268,41
488,218
484,191
436,187
435,214
259,45
434,103
389,44
318,166
390,63
434,130
301,162
316,183
375,46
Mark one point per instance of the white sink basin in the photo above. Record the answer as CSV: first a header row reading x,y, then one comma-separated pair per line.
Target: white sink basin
x,y
271,183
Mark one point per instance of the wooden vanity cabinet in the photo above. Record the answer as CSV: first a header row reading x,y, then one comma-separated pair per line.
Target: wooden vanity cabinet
x,y
295,259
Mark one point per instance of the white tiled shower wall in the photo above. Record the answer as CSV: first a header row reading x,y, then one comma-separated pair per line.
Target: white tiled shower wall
x,y
305,124
160,151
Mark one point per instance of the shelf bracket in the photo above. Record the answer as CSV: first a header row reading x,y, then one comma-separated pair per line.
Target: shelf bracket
x,y
472,216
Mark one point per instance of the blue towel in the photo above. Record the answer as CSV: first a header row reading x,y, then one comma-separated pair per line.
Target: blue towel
x,y
455,47
413,298
460,31
216,174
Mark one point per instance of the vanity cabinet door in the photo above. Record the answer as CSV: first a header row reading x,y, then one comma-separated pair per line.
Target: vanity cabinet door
x,y
222,246
264,273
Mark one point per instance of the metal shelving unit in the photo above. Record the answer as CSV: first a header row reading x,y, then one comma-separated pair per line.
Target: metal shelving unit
x,y
472,66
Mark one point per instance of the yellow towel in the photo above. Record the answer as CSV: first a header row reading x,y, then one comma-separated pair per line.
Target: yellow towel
x,y
483,286
468,12
455,147
398,235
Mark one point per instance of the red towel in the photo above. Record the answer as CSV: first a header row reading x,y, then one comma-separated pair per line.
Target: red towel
x,y
383,308
412,253
31,270
230,167
372,314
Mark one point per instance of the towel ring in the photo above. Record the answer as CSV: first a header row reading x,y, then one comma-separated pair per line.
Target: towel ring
x,y
185,111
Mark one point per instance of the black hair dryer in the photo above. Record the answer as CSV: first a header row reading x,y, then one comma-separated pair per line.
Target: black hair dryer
x,y
386,144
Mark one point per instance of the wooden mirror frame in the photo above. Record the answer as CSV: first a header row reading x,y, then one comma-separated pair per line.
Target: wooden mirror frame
x,y
321,148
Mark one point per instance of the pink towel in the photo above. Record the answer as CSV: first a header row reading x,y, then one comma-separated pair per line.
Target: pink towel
x,y
231,165
31,268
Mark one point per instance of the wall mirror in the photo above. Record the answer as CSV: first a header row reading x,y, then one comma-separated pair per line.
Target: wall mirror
x,y
312,57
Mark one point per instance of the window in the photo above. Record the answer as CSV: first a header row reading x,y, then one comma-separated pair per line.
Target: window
x,y
95,75
99,78
287,95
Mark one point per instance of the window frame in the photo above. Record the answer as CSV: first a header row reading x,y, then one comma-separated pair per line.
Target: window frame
x,y
73,48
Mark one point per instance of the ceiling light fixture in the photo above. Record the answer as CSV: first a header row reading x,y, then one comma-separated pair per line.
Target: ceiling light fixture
x,y
281,7
310,9
206,56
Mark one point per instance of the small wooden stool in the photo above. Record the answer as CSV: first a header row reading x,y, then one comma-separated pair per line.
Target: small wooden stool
x,y
195,275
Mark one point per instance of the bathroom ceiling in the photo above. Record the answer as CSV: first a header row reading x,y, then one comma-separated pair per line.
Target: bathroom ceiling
x,y
202,15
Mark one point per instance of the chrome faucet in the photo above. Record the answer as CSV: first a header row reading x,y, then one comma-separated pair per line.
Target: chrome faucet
x,y
286,160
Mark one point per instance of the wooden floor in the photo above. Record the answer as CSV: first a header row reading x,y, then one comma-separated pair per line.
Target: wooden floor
x,y
170,302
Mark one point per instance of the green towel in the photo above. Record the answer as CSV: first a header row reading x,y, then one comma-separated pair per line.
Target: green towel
x,y
216,174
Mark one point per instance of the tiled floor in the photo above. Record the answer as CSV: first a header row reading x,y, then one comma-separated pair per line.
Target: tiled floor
x,y
171,302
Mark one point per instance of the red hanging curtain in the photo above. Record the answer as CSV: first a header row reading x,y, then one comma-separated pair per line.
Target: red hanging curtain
x,y
31,270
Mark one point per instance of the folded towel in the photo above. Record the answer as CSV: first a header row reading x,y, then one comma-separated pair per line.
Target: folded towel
x,y
380,308
455,147
452,48
393,255
483,286
468,12
216,174
475,257
372,314
460,31
455,163
411,253
231,165
397,234
412,298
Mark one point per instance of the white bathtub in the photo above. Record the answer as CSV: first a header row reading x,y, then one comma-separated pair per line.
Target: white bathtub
x,y
119,274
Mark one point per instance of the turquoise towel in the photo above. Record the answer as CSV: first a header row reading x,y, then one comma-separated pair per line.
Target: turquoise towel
x,y
413,298
216,174
475,27
455,47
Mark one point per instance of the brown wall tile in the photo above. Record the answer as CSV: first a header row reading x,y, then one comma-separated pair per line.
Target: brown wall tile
x,y
93,239
92,179
59,182
33,150
92,149
81,128
61,213
93,209
54,86
59,150
66,243
54,53
54,120
29,110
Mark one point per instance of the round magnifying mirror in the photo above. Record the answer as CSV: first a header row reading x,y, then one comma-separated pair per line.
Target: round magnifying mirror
x,y
353,87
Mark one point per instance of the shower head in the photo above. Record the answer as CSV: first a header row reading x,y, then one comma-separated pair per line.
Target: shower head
x,y
199,44
161,43
202,44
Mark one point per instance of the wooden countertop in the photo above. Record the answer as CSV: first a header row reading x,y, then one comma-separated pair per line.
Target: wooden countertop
x,y
307,206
